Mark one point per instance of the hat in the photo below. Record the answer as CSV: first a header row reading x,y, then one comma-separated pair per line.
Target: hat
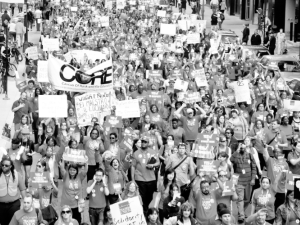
x,y
189,110
25,131
223,212
235,110
172,81
145,138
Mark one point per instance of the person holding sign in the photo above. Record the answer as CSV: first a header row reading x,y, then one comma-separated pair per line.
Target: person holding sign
x,y
72,186
264,198
172,202
97,203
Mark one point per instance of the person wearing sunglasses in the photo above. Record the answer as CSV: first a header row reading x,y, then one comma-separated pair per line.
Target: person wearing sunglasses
x,y
144,161
66,217
11,186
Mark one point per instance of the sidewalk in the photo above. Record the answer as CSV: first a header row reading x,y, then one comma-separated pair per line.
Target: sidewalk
x,y
6,115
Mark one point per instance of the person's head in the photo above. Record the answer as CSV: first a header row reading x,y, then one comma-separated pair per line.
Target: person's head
x,y
265,183
38,91
99,173
73,144
296,146
260,107
204,186
7,166
115,164
71,111
223,156
234,113
225,216
275,124
147,119
51,141
229,132
284,121
24,120
247,141
175,123
181,149
41,166
30,84
261,217
289,197
278,152
31,64
23,96
259,124
170,137
186,210
152,215
66,212
113,137
222,174
190,113
144,142
132,187
222,141
169,177
174,189
94,133
154,108
73,170
140,88
27,202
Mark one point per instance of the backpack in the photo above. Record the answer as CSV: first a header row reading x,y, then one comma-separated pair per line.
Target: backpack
x,y
49,214
37,214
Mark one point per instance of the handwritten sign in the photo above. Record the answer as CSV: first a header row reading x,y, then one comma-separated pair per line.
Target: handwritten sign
x,y
74,155
128,108
291,105
168,29
242,91
121,4
38,180
128,212
161,13
104,21
200,78
181,85
53,106
92,105
42,71
50,44
208,167
32,52
193,38
74,9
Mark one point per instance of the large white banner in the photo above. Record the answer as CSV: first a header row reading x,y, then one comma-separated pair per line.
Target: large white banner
x,y
53,106
92,105
68,78
128,212
80,55
13,1
128,108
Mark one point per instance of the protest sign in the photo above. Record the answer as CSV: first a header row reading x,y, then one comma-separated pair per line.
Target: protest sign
x,y
200,78
82,55
32,52
290,178
193,38
121,4
67,78
181,85
126,143
50,44
42,71
128,212
208,167
176,73
74,155
204,146
104,20
128,108
192,97
38,180
227,188
182,24
242,91
291,105
113,121
297,188
168,29
235,178
22,85
92,105
74,8
161,13
155,75
53,106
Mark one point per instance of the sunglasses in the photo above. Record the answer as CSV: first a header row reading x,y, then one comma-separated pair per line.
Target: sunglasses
x,y
144,141
5,165
95,133
65,212
38,166
112,138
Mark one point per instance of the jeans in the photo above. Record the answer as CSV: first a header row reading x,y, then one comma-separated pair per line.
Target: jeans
x,y
20,42
146,188
8,210
76,214
280,198
96,216
243,193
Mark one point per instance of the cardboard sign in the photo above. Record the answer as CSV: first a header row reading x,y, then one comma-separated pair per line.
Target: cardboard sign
x,y
113,121
74,9
200,78
291,105
74,155
32,52
192,97
182,24
128,108
193,38
242,91
38,180
155,75
228,185
129,208
42,71
120,4
290,178
104,21
207,139
126,143
92,105
50,44
204,146
161,13
22,85
168,29
208,167
181,85
53,106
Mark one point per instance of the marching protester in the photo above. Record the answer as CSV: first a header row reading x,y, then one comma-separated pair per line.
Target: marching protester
x,y
138,109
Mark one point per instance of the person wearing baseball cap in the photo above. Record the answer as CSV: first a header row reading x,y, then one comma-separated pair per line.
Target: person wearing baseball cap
x,y
143,166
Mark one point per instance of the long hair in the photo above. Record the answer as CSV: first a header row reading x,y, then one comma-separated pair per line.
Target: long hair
x,y
60,221
169,171
12,167
74,166
185,207
126,189
286,202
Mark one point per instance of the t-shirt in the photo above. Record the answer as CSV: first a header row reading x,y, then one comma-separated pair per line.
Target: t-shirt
x,y
177,133
140,160
26,218
264,199
21,187
97,196
269,135
25,110
191,127
72,222
206,207
275,167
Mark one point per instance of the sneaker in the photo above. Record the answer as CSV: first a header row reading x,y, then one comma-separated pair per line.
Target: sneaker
x,y
241,220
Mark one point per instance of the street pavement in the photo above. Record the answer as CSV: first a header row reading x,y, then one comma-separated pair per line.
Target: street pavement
x,y
6,116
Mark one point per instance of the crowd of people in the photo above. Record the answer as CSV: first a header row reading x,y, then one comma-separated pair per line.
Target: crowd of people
x,y
217,136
